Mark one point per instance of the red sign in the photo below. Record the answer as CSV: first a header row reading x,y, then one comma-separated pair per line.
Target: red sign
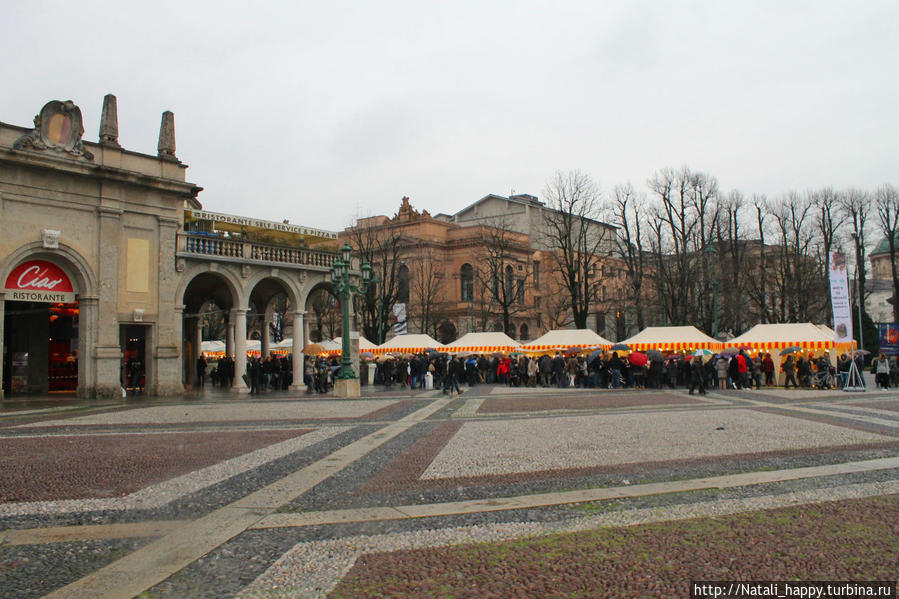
x,y
39,281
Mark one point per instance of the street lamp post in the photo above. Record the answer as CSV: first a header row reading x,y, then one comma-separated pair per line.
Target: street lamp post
x,y
714,268
340,277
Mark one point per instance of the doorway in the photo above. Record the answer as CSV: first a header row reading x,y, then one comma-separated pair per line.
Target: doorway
x,y
40,348
133,341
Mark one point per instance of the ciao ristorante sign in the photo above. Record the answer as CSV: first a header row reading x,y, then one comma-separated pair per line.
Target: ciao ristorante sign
x,y
38,281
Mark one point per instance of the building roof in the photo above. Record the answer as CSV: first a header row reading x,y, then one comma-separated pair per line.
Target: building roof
x,y
884,246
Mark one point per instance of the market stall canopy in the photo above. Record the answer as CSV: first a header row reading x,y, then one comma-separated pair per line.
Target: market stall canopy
x,y
675,339
331,347
415,344
364,345
212,347
483,343
806,335
567,338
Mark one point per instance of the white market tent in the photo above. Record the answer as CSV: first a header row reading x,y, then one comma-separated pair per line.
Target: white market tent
x,y
567,338
808,336
413,344
217,348
481,343
212,347
672,339
335,346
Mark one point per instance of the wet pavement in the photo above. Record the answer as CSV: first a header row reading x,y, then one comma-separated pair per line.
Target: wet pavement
x,y
287,494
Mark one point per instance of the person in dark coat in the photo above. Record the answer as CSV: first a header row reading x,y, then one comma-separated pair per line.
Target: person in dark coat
x,y
559,371
789,369
201,371
733,370
804,372
545,364
615,367
697,375
255,375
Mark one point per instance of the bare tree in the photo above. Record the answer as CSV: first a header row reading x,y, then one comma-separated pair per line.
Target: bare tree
x,y
426,282
855,208
326,312
682,226
382,247
575,238
212,319
628,216
801,288
886,199
553,306
827,206
729,261
502,271
758,276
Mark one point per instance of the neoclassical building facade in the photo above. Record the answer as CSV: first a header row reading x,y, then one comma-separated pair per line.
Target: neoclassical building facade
x,y
103,279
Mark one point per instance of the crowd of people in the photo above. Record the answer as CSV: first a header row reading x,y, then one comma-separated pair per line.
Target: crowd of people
x,y
604,370
273,373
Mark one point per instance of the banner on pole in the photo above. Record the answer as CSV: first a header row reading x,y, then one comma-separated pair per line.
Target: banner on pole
x,y
888,338
839,298
399,313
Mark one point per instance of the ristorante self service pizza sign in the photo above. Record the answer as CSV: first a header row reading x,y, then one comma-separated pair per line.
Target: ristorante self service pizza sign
x,y
39,281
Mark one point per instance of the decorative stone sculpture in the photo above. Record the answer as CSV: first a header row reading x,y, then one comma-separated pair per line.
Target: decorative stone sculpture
x,y
166,145
109,123
58,127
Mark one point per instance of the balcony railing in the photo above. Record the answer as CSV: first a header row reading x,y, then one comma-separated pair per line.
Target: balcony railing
x,y
238,249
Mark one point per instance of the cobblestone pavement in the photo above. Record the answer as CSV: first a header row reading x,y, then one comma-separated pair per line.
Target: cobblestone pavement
x,y
494,492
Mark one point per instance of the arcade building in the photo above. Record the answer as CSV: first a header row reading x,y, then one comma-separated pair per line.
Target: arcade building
x,y
102,275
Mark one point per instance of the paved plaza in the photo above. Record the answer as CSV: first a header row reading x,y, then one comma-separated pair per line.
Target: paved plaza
x,y
496,492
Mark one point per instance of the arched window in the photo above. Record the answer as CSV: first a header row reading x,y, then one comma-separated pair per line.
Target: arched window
x,y
467,277
523,332
510,283
402,284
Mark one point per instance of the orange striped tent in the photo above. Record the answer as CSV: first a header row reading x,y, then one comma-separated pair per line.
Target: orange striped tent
x,y
408,344
672,339
482,343
808,336
335,346
562,339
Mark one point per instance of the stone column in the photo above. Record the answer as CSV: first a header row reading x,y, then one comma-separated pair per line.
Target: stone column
x,y
229,337
239,316
87,344
266,341
178,330
2,319
169,340
298,344
198,344
107,354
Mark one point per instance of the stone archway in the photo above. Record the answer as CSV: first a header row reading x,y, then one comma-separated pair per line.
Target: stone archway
x,y
323,313
49,324
210,303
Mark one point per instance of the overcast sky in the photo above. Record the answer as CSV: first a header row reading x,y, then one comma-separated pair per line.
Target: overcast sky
x,y
321,112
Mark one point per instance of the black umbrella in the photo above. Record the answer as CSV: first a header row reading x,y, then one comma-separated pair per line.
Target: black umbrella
x,y
654,355
620,347
790,350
